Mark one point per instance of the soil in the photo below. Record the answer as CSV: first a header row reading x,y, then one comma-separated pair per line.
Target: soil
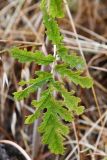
x,y
8,152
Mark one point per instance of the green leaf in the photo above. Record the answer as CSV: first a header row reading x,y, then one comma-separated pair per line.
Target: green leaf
x,y
54,112
43,4
53,132
75,77
43,77
70,101
56,8
61,110
27,56
65,114
53,31
79,110
40,105
72,59
51,125
31,118
22,82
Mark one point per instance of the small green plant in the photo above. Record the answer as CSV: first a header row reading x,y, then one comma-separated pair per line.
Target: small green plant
x,y
53,111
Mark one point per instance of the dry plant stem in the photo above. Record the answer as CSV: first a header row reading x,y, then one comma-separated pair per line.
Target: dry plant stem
x,y
97,105
53,67
27,147
87,122
72,34
99,68
80,11
87,50
74,29
96,46
100,152
25,19
53,64
76,137
36,136
24,105
100,86
86,135
72,146
30,8
13,18
19,42
82,54
92,33
100,134
35,133
57,157
5,9
2,104
72,24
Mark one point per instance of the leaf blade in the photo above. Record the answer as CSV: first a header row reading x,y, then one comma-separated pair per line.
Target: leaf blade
x,y
75,76
43,77
56,8
27,56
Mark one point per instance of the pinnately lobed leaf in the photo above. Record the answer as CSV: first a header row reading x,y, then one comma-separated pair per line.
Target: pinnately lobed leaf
x,y
52,29
75,77
70,101
71,59
53,132
52,128
56,8
52,111
27,56
34,84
